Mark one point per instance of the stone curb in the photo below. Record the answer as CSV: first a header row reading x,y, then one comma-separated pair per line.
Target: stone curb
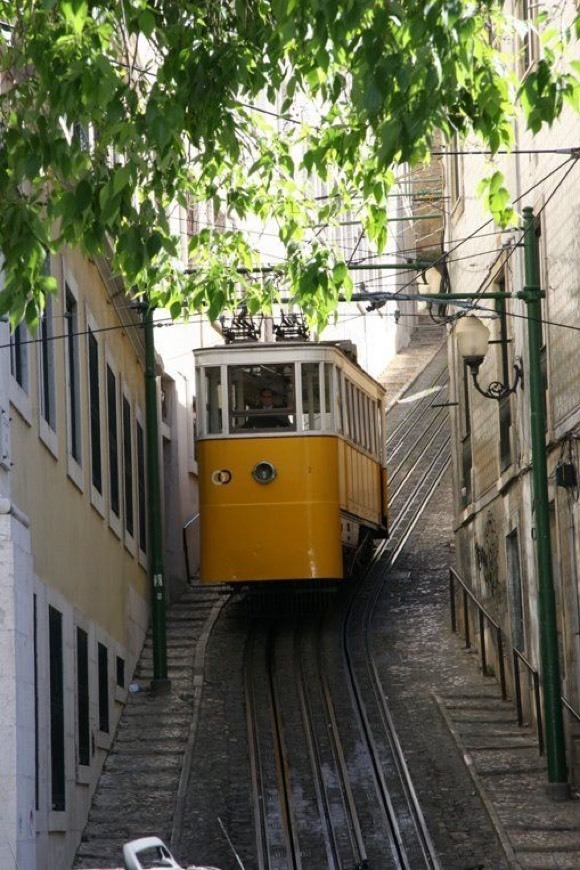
x,y
198,672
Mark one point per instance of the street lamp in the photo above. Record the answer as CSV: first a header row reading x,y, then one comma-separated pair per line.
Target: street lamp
x,y
472,341
433,281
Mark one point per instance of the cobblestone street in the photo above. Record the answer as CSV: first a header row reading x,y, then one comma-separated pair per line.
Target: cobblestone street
x,y
479,778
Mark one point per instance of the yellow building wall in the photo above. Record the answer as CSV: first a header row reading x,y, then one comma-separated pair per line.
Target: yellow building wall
x,y
80,552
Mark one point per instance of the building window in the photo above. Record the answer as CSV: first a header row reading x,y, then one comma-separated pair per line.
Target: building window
x,y
47,366
454,173
120,672
36,705
95,417
529,50
515,591
141,500
113,441
73,374
19,356
128,465
57,759
83,721
103,674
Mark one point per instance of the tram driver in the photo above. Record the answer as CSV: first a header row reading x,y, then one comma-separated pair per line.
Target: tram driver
x,y
259,419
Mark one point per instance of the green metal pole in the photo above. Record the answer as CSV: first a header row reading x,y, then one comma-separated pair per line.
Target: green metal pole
x,y
160,681
549,661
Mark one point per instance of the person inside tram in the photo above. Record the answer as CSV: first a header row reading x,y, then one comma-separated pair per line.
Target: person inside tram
x,y
261,420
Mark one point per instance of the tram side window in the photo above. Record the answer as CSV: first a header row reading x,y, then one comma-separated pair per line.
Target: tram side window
x,y
369,437
379,427
361,418
373,427
356,415
311,420
339,386
261,397
213,400
329,397
349,415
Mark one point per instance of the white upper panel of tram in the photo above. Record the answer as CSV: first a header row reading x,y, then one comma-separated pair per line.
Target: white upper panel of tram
x,y
280,389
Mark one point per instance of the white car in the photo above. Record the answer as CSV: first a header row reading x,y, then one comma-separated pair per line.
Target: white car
x,y
151,853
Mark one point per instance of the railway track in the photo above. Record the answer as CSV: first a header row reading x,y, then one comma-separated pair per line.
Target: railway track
x,y
419,474
315,804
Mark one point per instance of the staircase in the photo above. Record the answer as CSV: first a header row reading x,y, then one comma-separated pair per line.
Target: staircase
x,y
402,370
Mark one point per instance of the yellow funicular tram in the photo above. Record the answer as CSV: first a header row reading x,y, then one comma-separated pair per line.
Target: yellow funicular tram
x,y
290,441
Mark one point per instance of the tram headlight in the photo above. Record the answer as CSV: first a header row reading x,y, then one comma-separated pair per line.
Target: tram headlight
x,y
264,472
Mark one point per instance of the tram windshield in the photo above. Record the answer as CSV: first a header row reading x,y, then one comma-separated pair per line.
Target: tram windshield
x,y
261,397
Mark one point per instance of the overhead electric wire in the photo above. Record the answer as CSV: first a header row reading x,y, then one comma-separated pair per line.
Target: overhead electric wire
x,y
474,234
531,228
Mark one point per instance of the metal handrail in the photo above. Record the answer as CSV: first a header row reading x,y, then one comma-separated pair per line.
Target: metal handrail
x,y
190,522
574,713
517,657
483,616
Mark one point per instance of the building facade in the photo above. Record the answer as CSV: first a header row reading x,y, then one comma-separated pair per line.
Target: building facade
x,y
73,554
495,517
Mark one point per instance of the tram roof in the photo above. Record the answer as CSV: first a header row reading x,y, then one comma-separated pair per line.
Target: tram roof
x,y
346,348
296,351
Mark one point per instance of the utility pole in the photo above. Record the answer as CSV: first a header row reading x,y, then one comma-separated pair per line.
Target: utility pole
x,y
532,295
160,683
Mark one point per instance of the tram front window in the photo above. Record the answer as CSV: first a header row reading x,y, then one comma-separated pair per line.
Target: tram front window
x,y
261,397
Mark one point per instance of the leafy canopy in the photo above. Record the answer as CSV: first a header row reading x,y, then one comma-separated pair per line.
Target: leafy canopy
x,y
112,111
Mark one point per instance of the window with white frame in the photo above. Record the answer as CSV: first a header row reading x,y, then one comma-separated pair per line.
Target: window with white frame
x,y
103,686
94,410
529,40
47,365
57,712
455,174
141,488
113,441
73,374
19,357
83,699
127,428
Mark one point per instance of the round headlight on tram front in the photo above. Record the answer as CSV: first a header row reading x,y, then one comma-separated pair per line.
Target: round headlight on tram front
x,y
264,472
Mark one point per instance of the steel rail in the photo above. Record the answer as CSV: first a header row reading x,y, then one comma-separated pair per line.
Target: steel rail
x,y
400,431
281,758
332,735
257,778
405,522
429,435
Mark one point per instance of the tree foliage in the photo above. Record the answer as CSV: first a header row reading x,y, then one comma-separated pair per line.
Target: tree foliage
x,y
112,111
